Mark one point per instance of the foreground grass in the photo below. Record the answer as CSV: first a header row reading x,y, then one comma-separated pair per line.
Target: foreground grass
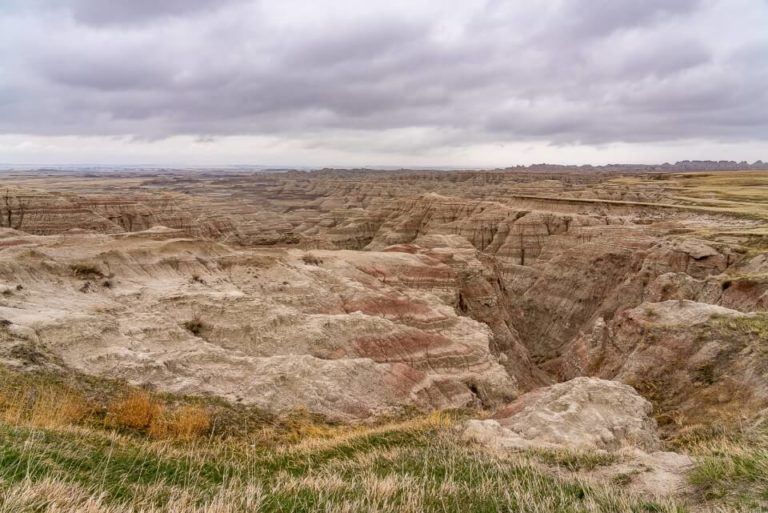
x,y
731,468
410,466
71,446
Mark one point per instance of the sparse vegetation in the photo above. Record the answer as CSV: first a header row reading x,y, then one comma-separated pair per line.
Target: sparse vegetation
x,y
86,271
755,325
311,259
650,312
575,460
622,479
195,325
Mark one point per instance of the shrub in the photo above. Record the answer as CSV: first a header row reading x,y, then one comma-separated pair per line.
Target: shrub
x,y
185,423
195,326
43,406
86,271
575,460
311,259
140,411
137,411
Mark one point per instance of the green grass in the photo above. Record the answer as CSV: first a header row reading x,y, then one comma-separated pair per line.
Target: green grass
x,y
738,473
573,460
299,463
412,466
754,325
732,470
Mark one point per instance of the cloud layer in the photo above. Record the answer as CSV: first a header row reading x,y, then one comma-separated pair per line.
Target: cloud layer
x,y
414,75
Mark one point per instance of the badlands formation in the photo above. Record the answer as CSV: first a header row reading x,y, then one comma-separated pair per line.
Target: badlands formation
x,y
596,311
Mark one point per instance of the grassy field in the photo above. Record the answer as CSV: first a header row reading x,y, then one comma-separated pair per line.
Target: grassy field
x,y
69,445
741,194
731,471
411,466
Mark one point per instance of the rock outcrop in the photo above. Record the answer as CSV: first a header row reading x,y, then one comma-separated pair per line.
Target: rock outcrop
x,y
589,415
580,414
698,362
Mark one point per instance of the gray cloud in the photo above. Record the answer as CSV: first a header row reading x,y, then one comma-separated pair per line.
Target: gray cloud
x,y
124,12
595,18
564,71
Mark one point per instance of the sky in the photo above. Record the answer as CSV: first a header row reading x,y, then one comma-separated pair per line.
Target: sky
x,y
461,83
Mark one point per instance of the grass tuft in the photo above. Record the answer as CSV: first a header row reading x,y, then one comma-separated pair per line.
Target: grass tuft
x,y
138,410
86,271
185,423
574,460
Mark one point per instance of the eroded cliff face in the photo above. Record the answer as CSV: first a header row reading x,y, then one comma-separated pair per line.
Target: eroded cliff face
x,y
357,295
616,297
346,334
699,362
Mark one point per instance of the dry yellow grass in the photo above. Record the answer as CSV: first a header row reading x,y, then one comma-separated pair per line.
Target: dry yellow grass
x,y
35,402
185,423
45,406
743,194
137,410
141,411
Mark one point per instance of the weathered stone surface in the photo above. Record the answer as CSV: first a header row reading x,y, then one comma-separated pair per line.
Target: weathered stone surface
x,y
346,334
589,415
698,362
583,414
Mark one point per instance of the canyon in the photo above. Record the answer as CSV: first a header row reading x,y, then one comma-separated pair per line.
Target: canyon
x,y
426,289
359,295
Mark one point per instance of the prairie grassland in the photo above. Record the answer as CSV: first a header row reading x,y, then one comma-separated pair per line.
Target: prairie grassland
x,y
741,194
728,187
410,466
64,451
731,469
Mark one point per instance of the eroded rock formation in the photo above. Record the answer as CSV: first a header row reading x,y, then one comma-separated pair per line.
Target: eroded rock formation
x,y
354,293
588,415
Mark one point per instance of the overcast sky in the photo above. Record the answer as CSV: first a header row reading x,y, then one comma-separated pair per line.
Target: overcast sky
x,y
382,82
